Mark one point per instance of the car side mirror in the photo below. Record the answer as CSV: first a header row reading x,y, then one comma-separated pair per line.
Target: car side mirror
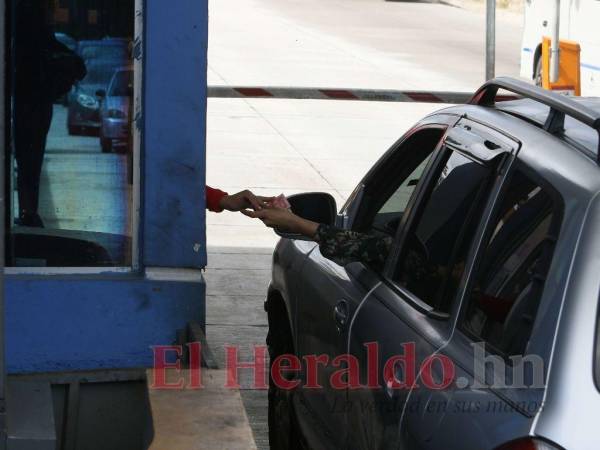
x,y
101,93
319,207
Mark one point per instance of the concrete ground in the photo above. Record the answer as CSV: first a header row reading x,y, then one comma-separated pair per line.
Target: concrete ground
x,y
71,165
290,146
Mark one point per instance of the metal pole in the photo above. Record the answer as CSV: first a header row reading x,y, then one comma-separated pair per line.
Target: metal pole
x,y
3,143
490,40
555,49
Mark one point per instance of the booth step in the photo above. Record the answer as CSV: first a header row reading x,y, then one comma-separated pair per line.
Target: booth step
x,y
30,424
188,418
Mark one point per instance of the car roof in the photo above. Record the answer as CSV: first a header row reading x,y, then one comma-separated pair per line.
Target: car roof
x,y
556,159
102,43
112,63
533,110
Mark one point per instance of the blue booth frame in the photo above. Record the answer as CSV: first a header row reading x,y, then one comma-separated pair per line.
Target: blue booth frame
x,y
84,320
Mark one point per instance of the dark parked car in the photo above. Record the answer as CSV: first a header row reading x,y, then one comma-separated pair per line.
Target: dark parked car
x,y
481,332
115,108
102,58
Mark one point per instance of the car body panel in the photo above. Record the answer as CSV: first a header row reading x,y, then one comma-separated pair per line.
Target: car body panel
x,y
115,110
572,397
330,287
405,325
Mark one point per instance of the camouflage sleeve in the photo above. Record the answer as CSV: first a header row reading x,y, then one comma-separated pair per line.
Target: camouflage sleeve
x,y
344,246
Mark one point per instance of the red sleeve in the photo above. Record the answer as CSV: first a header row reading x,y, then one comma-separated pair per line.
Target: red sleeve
x,y
213,197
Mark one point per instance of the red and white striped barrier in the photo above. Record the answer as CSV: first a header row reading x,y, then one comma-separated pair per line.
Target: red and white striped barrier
x,y
373,95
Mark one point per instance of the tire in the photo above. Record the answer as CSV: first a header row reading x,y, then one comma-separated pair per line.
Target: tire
x,y
106,145
537,76
283,432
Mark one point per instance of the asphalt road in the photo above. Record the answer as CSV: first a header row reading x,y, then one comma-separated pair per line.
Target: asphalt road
x,y
356,43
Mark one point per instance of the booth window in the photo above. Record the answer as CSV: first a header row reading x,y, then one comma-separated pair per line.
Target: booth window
x,y
70,198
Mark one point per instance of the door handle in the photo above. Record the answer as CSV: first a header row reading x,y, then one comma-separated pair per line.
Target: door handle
x,y
340,315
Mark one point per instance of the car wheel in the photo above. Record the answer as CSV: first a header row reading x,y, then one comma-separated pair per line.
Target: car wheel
x,y
283,433
106,145
538,72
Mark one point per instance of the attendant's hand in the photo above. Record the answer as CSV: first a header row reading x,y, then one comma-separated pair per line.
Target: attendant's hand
x,y
284,220
244,200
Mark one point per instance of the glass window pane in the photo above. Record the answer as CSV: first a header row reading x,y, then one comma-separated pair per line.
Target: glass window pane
x,y
388,217
433,258
583,135
390,188
71,171
509,280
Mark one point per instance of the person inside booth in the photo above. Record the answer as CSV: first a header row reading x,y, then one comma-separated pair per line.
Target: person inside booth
x,y
45,70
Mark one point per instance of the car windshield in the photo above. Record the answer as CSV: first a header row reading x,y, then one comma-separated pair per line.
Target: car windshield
x,y
98,74
122,84
96,52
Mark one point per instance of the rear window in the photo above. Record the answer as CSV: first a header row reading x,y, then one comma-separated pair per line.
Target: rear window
x,y
510,278
582,135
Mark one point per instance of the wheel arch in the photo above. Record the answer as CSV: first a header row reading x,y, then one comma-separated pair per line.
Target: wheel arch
x,y
278,313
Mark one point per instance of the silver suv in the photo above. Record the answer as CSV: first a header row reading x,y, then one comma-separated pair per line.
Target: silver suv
x,y
481,329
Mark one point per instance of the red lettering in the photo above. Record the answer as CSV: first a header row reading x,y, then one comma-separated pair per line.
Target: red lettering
x,y
347,377
312,369
277,369
195,351
407,361
161,365
448,372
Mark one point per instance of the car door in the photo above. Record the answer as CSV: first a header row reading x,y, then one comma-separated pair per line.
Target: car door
x,y
496,394
409,316
330,294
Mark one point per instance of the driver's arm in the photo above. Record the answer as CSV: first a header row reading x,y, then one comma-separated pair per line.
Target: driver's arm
x,y
344,246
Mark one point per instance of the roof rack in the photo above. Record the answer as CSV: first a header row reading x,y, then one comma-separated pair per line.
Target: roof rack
x,y
560,105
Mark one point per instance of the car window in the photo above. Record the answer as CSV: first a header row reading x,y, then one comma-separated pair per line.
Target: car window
x,y
389,215
433,255
508,284
100,74
391,186
122,84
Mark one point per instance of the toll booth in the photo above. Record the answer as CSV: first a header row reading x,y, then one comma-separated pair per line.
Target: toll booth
x,y
105,245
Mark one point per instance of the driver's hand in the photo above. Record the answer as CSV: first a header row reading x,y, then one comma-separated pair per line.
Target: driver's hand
x,y
282,219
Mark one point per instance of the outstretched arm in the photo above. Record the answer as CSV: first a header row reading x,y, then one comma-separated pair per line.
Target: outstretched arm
x,y
345,246
339,245
218,200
